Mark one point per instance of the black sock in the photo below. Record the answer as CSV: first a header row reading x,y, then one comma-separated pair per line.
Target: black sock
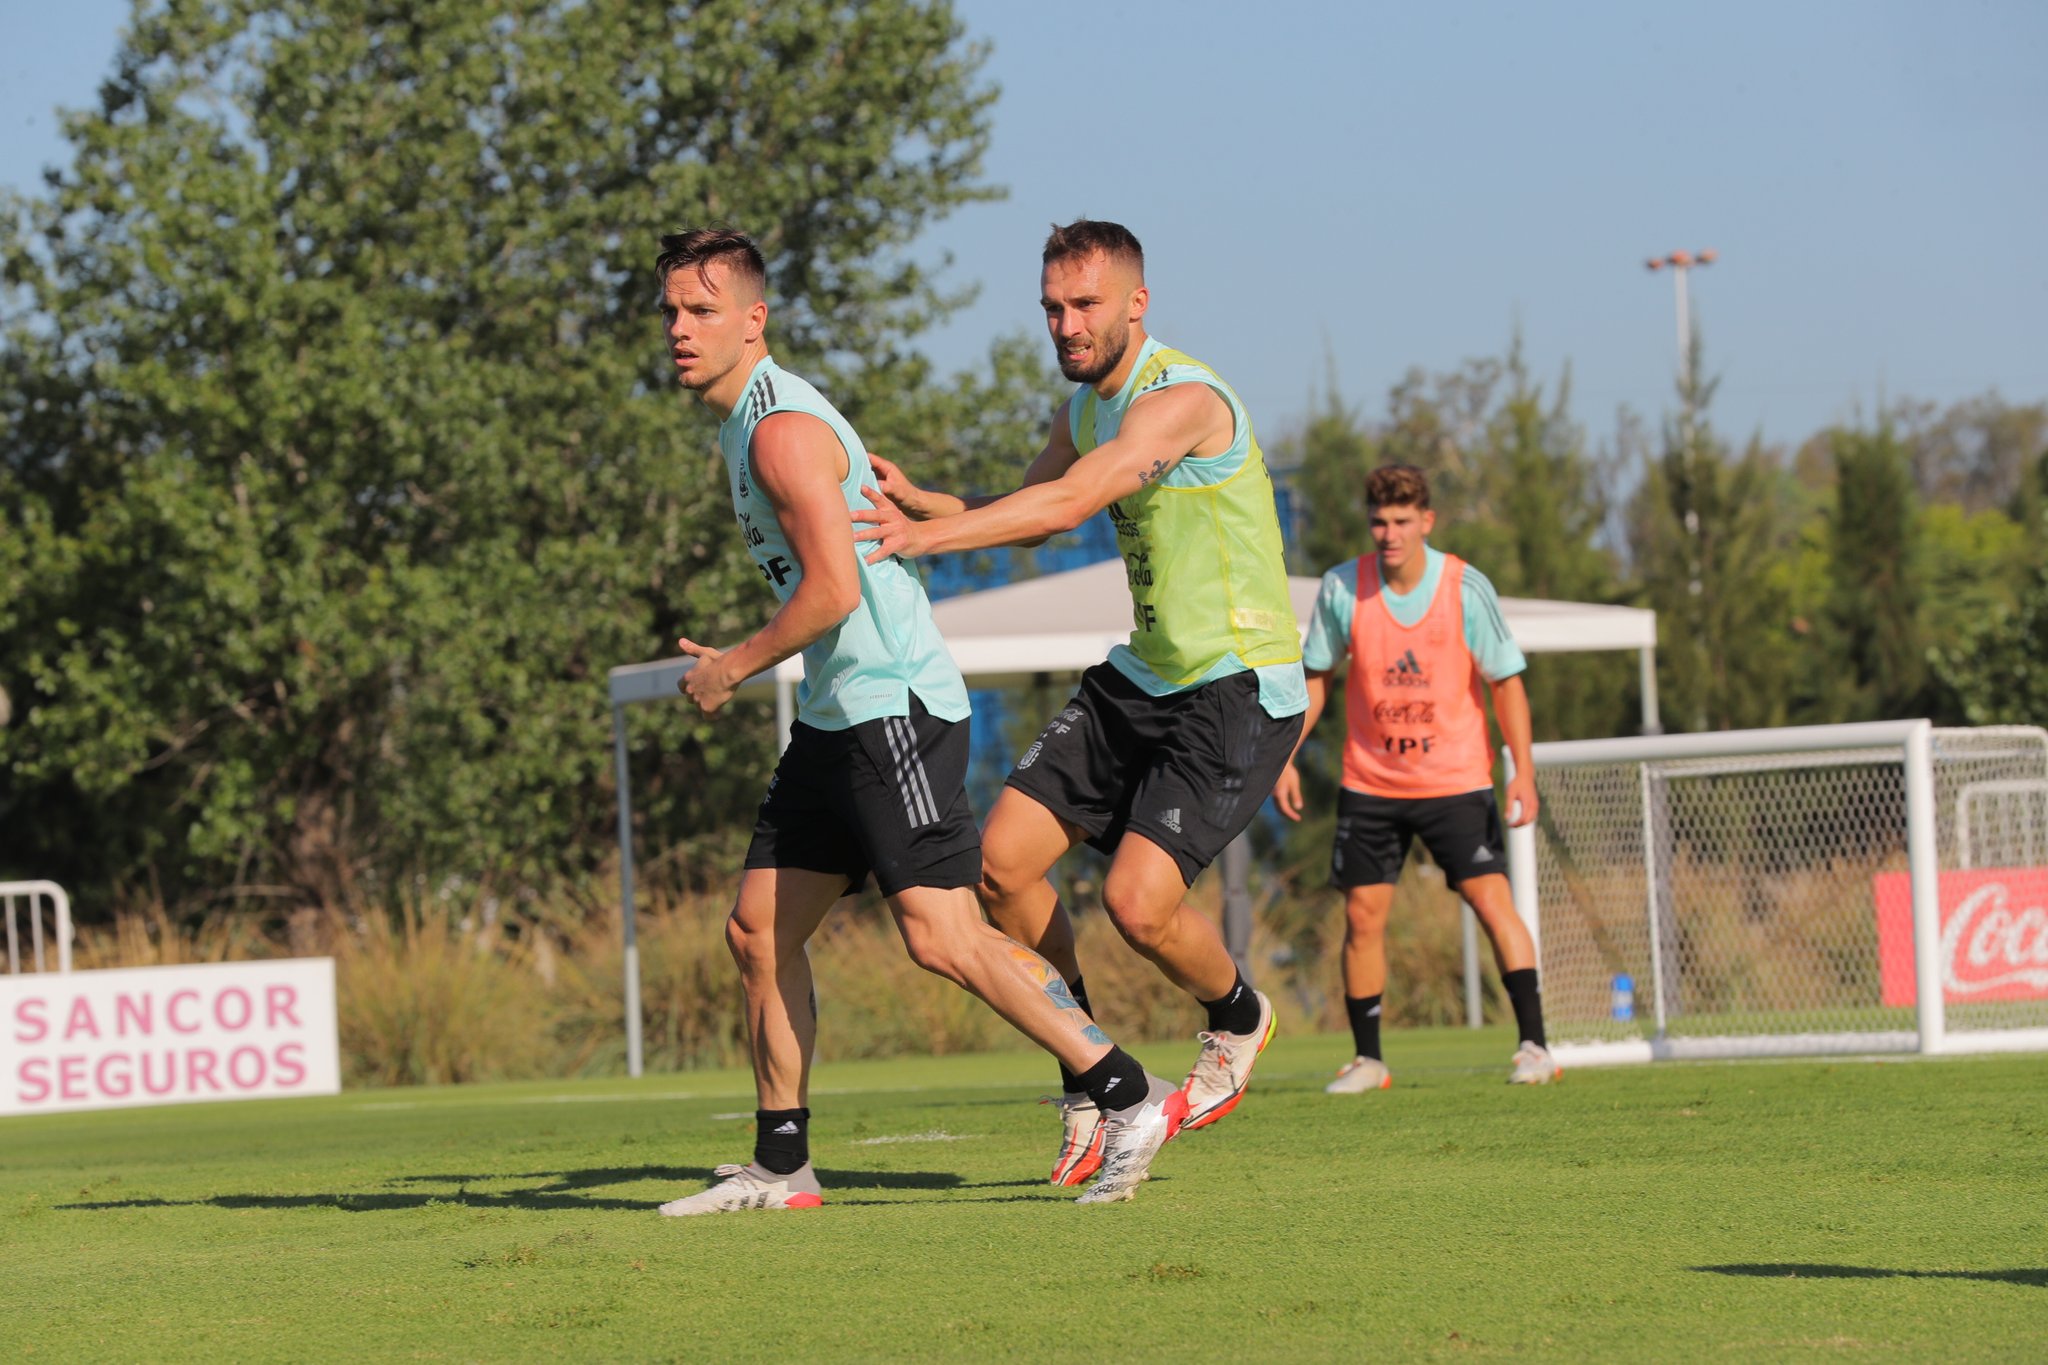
x,y
1115,1082
782,1139
1236,1012
1365,1024
1527,999
1070,1083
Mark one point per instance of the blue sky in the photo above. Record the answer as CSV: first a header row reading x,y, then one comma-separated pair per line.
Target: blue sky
x,y
1402,185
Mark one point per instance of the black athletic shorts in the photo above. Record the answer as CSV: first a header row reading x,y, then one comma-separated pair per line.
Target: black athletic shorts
x,y
1188,771
886,796
1462,834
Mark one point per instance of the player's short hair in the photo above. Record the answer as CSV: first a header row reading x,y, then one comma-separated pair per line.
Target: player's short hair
x,y
1397,485
1086,236
699,248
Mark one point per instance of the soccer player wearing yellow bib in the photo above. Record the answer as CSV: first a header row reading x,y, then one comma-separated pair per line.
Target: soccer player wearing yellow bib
x,y
1168,749
1423,631
873,780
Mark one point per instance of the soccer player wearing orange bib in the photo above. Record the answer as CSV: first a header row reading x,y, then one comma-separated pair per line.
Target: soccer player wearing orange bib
x,y
1423,631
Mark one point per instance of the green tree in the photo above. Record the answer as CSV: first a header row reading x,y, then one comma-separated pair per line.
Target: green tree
x,y
1532,518
1980,453
1326,464
1874,627
340,459
1705,529
1998,674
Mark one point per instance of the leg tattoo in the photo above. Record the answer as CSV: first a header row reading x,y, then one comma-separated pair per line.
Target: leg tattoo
x,y
1055,988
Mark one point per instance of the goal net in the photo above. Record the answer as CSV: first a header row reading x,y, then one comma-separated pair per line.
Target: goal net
x,y
1816,889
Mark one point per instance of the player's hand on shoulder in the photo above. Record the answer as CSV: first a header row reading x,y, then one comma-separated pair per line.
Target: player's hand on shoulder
x,y
896,486
884,530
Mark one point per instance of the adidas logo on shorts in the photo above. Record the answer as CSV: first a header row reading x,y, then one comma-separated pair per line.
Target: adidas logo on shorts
x,y
1171,819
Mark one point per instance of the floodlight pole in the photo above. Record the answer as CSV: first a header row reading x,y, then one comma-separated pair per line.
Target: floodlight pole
x,y
1682,264
1679,278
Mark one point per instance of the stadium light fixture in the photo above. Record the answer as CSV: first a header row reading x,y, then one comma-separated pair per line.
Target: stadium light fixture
x,y
1682,264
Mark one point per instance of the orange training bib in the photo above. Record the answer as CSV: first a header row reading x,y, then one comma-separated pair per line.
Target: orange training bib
x,y
1417,719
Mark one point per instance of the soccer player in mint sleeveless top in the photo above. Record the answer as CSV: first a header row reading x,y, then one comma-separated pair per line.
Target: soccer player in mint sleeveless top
x,y
1168,749
872,780
1423,630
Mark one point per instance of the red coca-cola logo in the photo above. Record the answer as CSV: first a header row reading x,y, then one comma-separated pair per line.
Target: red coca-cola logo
x,y
1994,935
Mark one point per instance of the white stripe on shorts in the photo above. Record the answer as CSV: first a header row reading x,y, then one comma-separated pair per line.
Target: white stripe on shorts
x,y
918,774
910,778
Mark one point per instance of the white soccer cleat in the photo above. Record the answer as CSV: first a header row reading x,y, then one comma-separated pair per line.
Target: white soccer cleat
x,y
1359,1076
1225,1068
1131,1138
751,1187
1534,1065
1081,1142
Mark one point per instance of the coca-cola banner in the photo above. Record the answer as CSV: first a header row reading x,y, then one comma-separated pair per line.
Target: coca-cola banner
x,y
166,1035
1994,935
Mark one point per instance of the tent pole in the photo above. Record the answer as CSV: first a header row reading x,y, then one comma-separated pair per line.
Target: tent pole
x,y
1475,1003
1237,902
1652,723
626,915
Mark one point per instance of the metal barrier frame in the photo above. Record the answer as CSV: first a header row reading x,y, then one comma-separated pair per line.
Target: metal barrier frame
x,y
37,892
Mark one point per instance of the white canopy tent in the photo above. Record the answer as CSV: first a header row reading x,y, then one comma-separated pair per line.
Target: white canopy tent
x,y
1054,627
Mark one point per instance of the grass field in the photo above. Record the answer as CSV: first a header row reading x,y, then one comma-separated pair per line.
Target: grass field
x,y
1740,1212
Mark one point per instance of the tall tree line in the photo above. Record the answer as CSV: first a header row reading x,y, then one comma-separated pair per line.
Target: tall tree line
x,y
1882,569
340,457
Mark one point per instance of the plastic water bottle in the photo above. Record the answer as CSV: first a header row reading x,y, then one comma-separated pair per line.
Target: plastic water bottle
x,y
1624,998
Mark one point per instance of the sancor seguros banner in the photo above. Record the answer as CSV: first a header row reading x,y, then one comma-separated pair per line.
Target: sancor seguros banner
x,y
167,1035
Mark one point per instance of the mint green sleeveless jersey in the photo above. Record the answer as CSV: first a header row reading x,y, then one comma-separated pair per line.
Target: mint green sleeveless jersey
x,y
869,665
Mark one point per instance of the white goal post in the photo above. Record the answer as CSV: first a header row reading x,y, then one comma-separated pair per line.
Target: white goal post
x,y
1826,889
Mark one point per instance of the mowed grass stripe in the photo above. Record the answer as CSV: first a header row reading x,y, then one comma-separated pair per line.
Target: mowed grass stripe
x,y
1779,1211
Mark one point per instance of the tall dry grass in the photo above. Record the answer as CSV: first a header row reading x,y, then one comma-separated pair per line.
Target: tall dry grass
x,y
149,937
424,1001
1425,955
428,996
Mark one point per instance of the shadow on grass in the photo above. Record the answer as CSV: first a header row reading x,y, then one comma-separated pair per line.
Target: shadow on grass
x,y
1800,1270
1046,1194
558,1193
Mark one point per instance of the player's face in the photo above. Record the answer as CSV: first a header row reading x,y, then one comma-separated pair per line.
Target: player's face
x,y
1398,533
1090,305
709,318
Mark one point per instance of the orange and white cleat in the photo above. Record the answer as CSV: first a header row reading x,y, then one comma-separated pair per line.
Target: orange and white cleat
x,y
749,1187
1132,1137
1534,1065
1081,1142
1360,1076
1225,1068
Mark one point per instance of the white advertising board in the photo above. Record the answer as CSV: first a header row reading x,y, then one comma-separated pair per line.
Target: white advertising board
x,y
167,1035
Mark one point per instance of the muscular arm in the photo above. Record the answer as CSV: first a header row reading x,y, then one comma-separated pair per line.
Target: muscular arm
x,y
924,504
797,464
1161,429
1511,713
